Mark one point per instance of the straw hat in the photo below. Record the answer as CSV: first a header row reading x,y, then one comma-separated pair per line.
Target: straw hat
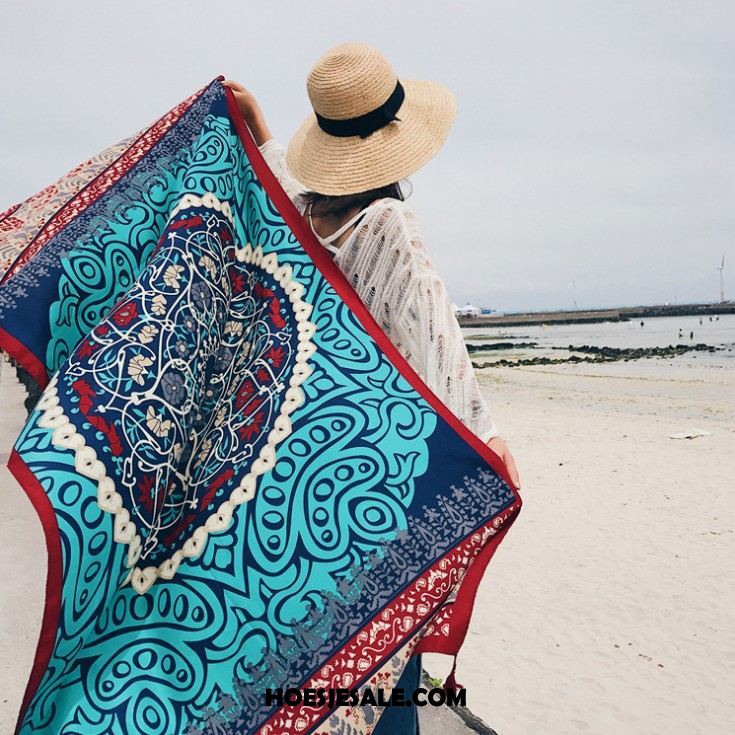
x,y
369,128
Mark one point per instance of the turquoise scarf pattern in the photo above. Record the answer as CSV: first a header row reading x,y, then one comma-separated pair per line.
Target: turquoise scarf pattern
x,y
242,483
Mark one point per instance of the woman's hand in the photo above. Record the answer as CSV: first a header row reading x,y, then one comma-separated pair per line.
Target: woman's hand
x,y
500,448
250,110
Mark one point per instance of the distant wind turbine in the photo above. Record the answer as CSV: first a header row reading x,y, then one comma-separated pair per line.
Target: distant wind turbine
x,y
721,268
573,286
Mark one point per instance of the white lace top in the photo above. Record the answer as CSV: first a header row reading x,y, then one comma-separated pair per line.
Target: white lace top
x,y
386,262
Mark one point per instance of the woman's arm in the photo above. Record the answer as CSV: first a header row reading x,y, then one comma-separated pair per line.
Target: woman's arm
x,y
434,343
438,346
251,112
273,152
447,366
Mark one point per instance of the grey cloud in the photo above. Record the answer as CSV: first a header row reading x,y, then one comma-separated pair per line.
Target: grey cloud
x,y
594,141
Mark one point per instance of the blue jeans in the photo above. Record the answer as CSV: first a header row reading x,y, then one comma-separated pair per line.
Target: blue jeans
x,y
403,720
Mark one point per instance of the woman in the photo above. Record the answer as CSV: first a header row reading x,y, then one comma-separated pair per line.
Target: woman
x,y
342,170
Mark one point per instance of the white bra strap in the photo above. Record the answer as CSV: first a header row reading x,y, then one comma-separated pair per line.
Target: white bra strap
x,y
346,226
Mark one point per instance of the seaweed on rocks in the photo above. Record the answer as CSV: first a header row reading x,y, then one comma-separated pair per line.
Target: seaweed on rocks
x,y
491,346
595,354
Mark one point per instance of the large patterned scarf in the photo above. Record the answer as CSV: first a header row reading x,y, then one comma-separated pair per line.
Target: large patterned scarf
x,y
242,483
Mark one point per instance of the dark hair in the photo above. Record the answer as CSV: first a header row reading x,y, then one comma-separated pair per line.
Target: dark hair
x,y
322,204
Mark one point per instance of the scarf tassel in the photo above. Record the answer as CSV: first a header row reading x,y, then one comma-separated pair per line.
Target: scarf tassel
x,y
450,683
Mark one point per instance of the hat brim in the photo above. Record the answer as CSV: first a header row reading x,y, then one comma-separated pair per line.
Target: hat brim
x,y
336,166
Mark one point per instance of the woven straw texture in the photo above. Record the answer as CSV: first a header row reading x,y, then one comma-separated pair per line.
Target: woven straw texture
x,y
352,80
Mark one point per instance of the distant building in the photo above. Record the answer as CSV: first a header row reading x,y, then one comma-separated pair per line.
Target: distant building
x,y
467,310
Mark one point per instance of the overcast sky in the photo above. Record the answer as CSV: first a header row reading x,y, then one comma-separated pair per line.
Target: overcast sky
x,y
594,142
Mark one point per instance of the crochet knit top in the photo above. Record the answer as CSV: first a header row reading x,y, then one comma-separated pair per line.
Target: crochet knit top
x,y
385,260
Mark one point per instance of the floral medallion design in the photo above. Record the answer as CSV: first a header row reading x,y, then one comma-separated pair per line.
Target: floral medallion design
x,y
191,379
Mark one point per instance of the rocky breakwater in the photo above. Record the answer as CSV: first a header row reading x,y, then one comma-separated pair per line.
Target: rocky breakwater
x,y
586,353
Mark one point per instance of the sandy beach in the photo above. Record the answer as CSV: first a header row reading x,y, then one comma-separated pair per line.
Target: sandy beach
x,y
607,609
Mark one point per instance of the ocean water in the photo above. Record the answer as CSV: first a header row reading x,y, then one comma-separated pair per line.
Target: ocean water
x,y
655,332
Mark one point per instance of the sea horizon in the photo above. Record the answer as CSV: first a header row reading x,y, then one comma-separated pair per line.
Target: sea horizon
x,y
488,311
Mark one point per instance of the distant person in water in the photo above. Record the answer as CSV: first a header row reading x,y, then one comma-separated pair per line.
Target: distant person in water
x,y
691,335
